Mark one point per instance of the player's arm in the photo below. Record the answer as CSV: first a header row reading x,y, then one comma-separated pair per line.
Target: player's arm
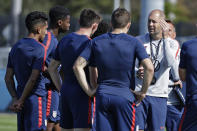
x,y
182,74
78,68
27,90
93,73
53,71
148,74
10,84
148,71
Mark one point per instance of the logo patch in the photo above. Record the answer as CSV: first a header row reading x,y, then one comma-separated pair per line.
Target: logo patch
x,y
54,114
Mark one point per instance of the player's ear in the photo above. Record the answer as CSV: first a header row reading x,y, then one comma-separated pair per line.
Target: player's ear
x,y
128,25
38,30
94,26
59,22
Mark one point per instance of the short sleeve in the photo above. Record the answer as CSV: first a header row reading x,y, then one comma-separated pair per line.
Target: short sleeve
x,y
38,61
9,65
183,59
140,51
86,53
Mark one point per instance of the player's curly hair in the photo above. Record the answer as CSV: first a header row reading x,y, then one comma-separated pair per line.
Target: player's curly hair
x,y
103,27
35,18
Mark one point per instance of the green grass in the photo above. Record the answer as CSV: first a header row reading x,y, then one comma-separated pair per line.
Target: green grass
x,y
8,122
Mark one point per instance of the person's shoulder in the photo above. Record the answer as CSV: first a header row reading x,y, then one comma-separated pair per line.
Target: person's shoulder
x,y
190,42
143,38
101,37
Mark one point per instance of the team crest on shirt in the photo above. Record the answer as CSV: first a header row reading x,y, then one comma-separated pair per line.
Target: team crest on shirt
x,y
54,114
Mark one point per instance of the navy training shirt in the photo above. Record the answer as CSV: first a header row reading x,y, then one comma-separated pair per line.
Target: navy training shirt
x,y
188,61
114,56
67,51
50,44
27,54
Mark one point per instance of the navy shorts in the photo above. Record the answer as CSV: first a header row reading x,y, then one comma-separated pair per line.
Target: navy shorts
x,y
189,117
151,113
174,113
33,115
114,113
53,114
75,109
93,114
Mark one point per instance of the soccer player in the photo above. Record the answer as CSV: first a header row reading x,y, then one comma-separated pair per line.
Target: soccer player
x,y
114,56
188,73
76,105
152,110
59,22
26,62
174,106
103,27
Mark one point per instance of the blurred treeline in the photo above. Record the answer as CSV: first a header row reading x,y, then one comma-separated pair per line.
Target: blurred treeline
x,y
185,12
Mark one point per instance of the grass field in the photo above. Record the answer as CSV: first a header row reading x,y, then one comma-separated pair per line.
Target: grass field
x,y
8,122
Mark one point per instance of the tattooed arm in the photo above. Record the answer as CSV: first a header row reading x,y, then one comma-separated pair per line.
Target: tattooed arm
x,y
78,68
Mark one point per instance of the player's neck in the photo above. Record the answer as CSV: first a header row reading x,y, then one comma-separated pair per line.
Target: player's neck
x,y
55,31
119,30
33,36
84,31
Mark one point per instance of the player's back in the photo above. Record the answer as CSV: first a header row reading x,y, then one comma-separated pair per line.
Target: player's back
x,y
69,48
114,56
22,57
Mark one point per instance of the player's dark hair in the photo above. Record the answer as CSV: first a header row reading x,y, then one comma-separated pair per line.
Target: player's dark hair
x,y
120,18
103,27
88,17
57,13
33,19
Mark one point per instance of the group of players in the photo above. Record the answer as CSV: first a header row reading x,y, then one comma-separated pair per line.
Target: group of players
x,y
112,82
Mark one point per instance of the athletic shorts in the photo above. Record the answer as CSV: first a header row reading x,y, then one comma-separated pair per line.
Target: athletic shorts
x,y
151,113
53,114
75,109
174,113
33,115
114,113
189,117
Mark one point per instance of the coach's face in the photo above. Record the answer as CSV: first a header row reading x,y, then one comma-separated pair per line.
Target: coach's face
x,y
154,27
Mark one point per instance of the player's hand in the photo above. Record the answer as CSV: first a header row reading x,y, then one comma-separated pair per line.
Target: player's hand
x,y
18,105
165,28
11,107
178,83
140,72
139,96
